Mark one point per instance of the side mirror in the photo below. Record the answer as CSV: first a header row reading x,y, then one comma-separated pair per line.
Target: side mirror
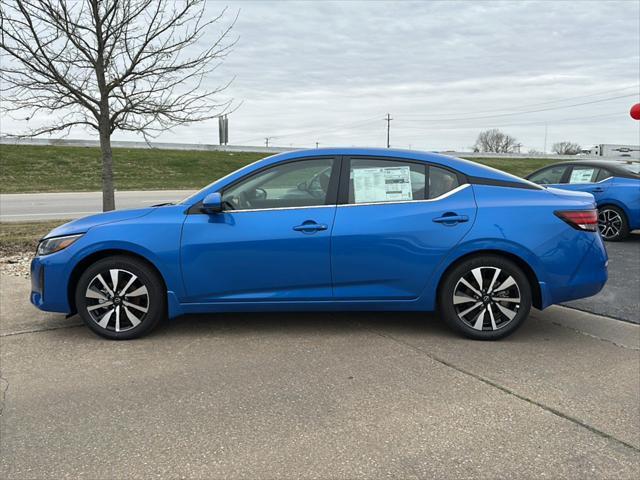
x,y
302,186
212,203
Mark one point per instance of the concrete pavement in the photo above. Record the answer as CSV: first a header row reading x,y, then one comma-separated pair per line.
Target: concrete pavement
x,y
21,207
318,395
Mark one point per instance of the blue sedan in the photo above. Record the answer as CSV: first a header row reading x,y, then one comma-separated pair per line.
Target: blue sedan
x,y
614,184
331,229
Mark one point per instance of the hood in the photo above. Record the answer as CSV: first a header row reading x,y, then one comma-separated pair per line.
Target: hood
x,y
81,225
586,197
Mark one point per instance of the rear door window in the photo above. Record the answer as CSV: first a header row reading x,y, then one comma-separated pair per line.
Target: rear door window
x,y
379,181
583,174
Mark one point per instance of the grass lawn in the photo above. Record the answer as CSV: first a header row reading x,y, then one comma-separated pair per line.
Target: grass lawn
x,y
21,237
516,166
67,169
26,169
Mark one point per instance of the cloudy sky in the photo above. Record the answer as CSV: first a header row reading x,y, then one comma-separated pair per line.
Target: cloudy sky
x,y
327,72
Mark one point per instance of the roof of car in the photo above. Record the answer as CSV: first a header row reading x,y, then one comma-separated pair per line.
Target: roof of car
x,y
614,166
466,167
603,163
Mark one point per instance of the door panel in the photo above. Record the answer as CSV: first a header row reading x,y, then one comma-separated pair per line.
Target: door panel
x,y
389,250
583,179
271,243
258,255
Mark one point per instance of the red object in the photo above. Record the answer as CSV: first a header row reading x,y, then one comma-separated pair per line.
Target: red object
x,y
635,111
580,219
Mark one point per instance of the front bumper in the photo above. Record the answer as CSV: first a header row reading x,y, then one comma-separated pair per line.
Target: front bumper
x,y
48,284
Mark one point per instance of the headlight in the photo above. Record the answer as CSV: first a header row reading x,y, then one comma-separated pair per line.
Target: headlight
x,y
55,244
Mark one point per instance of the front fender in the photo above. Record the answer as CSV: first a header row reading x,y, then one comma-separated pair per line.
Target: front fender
x,y
154,237
126,247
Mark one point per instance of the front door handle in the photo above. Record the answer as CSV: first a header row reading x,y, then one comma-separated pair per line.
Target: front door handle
x,y
597,189
451,219
310,227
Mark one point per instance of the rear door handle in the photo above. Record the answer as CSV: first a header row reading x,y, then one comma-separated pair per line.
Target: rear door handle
x,y
310,227
597,189
451,219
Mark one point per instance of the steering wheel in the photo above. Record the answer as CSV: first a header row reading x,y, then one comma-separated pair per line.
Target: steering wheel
x,y
259,194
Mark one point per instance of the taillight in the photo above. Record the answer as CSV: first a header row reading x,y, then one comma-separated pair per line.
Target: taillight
x,y
586,220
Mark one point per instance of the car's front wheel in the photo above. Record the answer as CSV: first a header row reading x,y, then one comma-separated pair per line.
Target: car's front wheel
x,y
486,297
120,297
612,223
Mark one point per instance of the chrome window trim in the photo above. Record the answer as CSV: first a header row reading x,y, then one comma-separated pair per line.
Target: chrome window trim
x,y
605,179
306,207
444,195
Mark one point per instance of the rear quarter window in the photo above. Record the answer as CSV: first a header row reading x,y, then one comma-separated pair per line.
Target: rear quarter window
x,y
603,175
441,181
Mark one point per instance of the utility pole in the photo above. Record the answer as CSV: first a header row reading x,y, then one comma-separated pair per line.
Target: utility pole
x,y
317,143
388,120
266,141
545,138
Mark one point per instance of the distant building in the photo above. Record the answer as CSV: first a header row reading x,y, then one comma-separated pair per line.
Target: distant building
x,y
615,151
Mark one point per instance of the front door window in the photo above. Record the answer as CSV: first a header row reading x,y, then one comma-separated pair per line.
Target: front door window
x,y
303,183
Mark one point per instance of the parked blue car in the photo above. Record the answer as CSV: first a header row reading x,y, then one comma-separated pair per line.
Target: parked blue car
x,y
614,184
331,229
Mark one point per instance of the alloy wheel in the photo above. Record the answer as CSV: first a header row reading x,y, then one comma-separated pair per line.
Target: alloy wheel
x,y
609,223
117,300
486,298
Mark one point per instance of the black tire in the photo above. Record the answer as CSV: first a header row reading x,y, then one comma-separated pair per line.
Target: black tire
x,y
143,300
497,313
612,223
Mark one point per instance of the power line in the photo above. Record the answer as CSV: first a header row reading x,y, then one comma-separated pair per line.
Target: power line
x,y
542,103
372,120
316,131
523,112
521,124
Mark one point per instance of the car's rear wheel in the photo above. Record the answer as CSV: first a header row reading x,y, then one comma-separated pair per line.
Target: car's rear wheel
x,y
612,223
486,297
120,298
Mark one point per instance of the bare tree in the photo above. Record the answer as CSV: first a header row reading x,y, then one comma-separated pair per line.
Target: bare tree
x,y
495,141
566,148
107,65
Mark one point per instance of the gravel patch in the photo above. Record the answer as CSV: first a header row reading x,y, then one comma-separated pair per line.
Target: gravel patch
x,y
17,264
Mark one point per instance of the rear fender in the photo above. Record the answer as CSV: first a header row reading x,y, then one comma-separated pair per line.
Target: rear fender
x,y
479,247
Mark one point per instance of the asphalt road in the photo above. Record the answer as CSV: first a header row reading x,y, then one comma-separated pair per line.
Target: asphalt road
x,y
620,297
317,396
21,207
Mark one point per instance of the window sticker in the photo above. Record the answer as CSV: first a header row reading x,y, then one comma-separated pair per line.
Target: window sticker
x,y
382,184
581,175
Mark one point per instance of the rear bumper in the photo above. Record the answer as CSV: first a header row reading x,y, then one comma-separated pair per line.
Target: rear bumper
x,y
588,277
